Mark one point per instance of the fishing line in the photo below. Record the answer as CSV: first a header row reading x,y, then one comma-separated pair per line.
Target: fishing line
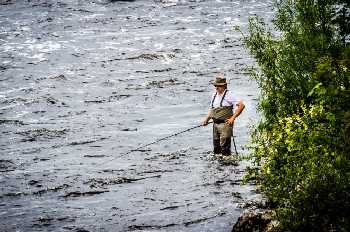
x,y
156,141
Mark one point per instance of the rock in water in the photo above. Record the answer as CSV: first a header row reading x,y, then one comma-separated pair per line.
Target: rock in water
x,y
256,222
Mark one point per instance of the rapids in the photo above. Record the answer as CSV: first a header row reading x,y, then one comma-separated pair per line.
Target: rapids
x,y
84,82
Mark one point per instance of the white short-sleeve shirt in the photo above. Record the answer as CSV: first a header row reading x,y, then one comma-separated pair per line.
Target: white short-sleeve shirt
x,y
229,100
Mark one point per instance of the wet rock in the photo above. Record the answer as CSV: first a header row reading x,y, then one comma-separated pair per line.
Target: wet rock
x,y
118,97
45,220
254,205
145,56
170,207
16,100
82,10
129,129
102,182
35,193
237,195
88,193
94,156
81,230
177,50
7,166
135,87
227,160
4,67
174,155
33,182
162,70
219,182
11,121
96,101
164,83
112,98
51,189
42,134
51,100
77,54
75,228
31,151
70,113
14,194
200,220
85,142
59,77
6,2
196,90
156,171
256,222
112,170
150,227
152,56
108,83
48,99
39,112
38,192
66,219
37,159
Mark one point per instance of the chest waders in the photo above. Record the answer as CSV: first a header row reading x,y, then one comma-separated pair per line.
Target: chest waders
x,y
222,132
221,113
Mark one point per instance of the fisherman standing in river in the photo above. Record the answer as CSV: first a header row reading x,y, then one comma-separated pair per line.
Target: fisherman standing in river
x,y
224,109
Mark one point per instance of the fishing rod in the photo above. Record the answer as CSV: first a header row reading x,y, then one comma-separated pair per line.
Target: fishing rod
x,y
234,143
156,141
164,138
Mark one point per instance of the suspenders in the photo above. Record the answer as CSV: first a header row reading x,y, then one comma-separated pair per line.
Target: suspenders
x,y
223,96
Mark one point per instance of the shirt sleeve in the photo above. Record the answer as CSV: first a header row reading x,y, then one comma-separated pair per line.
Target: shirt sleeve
x,y
231,99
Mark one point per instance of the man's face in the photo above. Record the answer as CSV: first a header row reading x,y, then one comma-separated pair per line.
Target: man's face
x,y
220,88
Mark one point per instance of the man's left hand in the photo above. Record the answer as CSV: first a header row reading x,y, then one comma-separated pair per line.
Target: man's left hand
x,y
230,121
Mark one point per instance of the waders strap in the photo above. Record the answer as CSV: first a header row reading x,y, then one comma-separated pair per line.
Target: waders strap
x,y
212,102
223,96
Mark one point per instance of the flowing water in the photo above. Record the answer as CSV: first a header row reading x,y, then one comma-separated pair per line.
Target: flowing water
x,y
84,82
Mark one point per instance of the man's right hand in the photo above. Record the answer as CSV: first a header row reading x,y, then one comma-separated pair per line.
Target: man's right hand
x,y
205,121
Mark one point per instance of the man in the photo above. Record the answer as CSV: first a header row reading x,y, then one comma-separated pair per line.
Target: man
x,y
224,109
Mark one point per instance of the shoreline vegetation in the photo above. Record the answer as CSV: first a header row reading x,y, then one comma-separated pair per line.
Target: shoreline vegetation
x,y
301,146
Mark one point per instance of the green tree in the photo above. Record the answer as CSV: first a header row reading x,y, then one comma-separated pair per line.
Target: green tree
x,y
302,143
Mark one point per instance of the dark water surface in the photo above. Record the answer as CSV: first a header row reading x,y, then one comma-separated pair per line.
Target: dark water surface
x,y
83,82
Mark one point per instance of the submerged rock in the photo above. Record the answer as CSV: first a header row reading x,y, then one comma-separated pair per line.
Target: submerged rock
x,y
59,77
256,222
7,166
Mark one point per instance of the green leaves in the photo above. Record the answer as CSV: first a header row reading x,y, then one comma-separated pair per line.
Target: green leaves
x,y
319,90
302,144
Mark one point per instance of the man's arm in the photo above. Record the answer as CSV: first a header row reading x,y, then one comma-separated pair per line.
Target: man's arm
x,y
240,107
207,118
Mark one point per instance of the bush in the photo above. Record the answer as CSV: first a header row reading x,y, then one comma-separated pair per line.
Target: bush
x,y
302,141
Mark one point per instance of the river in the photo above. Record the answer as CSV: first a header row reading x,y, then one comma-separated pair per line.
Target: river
x,y
84,82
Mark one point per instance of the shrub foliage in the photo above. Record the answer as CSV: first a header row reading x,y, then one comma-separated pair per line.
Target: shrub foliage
x,y
302,143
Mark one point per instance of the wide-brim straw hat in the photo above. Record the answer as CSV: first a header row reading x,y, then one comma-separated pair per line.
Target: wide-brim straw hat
x,y
219,81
